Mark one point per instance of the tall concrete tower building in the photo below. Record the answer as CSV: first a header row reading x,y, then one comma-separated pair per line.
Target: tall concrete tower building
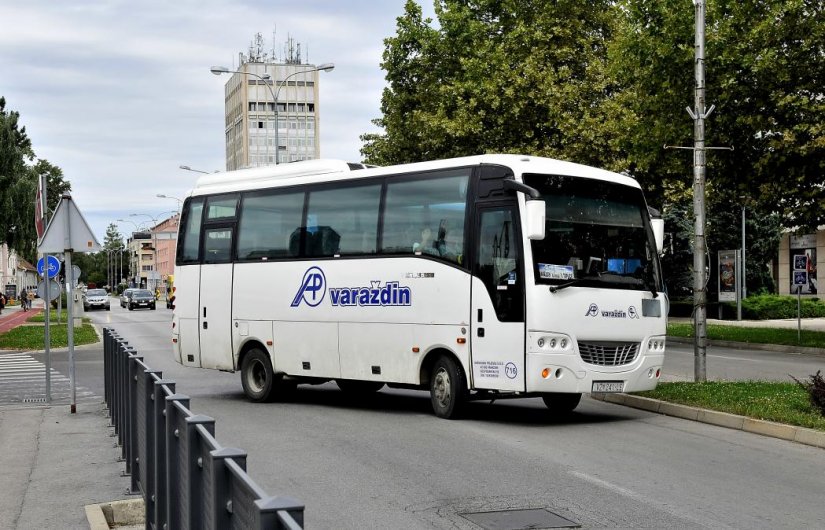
x,y
252,112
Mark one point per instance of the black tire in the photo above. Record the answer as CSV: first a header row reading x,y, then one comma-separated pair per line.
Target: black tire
x,y
257,376
85,307
131,308
260,383
448,388
359,388
152,307
108,308
561,403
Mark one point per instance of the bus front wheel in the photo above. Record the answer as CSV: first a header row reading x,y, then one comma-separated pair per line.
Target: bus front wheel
x,y
448,388
257,376
561,403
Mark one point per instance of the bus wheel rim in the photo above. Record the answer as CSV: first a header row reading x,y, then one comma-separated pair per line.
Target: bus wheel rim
x,y
257,376
442,388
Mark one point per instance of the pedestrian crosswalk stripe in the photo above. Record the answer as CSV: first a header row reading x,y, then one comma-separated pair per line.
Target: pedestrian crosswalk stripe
x,y
23,380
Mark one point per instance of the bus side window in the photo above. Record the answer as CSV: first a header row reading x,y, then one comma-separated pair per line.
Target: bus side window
x,y
189,249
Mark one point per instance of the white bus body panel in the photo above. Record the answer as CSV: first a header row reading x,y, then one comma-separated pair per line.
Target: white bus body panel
x,y
215,316
591,315
185,317
498,355
342,336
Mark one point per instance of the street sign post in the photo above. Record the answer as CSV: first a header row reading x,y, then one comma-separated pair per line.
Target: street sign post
x,y
48,264
68,232
54,290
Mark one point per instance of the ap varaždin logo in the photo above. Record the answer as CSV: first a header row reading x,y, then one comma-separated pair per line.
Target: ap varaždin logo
x,y
313,288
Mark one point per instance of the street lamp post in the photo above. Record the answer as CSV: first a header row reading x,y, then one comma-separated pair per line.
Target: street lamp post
x,y
133,235
154,249
187,168
325,67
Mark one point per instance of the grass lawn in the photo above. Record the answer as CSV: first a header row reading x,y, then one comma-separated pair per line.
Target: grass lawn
x,y
33,337
812,339
41,318
780,402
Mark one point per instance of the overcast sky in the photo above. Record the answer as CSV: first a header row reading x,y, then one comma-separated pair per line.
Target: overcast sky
x,y
118,93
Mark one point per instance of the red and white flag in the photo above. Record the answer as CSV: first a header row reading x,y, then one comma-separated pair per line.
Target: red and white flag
x,y
39,220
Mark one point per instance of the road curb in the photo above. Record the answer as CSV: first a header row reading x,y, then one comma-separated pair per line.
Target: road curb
x,y
722,419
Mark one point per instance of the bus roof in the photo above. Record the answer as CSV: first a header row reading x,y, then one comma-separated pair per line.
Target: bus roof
x,y
327,170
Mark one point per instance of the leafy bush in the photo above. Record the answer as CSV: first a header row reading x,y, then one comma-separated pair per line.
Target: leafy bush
x,y
766,307
815,388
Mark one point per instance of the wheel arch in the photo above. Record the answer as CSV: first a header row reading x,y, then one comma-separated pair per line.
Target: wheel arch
x,y
246,347
426,368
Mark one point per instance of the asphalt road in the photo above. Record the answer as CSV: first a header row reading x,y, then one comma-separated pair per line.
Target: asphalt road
x,y
389,463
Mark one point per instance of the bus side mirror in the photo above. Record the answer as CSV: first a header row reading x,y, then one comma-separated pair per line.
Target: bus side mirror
x,y
535,219
658,225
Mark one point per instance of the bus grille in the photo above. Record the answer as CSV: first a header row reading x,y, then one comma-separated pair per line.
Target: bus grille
x,y
608,353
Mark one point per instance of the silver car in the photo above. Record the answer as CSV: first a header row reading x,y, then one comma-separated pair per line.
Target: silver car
x,y
124,296
96,299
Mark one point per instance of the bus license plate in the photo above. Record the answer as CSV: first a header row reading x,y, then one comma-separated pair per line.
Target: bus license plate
x,y
608,386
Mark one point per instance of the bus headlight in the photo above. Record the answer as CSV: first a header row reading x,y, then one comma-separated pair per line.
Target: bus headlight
x,y
554,343
656,344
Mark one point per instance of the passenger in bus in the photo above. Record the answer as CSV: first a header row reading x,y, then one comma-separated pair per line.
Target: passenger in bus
x,y
434,248
425,244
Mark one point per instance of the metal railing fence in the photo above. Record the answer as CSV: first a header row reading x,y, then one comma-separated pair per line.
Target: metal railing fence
x,y
186,478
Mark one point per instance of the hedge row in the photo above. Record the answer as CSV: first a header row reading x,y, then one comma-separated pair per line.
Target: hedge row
x,y
760,307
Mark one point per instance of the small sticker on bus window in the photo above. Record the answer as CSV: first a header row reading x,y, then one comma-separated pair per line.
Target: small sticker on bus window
x,y
555,272
511,278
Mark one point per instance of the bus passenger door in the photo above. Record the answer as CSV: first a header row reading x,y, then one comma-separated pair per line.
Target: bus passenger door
x,y
215,310
498,300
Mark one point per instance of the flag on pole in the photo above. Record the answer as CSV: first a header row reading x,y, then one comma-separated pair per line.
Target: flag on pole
x,y
39,221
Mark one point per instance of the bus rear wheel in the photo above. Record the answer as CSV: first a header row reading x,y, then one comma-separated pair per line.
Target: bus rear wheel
x,y
561,403
257,377
448,388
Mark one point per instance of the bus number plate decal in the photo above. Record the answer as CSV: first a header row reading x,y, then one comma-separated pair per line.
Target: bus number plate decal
x,y
608,386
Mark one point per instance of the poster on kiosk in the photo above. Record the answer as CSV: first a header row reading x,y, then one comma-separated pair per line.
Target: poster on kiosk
x,y
727,278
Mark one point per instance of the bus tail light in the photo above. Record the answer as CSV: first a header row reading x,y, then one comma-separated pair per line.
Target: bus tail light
x,y
545,373
461,340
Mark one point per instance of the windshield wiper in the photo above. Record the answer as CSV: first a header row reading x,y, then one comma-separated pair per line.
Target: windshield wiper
x,y
559,287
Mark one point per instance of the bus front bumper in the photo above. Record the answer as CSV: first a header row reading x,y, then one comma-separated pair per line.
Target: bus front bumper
x,y
568,373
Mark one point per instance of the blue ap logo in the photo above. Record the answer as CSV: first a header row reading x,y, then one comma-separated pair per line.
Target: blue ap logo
x,y
313,288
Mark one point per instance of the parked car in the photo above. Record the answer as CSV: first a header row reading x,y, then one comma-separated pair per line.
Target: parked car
x,y
141,298
96,299
124,297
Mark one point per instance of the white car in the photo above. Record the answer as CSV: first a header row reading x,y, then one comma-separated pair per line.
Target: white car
x,y
96,299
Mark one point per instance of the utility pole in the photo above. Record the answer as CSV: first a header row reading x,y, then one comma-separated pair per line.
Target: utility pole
x,y
700,251
700,340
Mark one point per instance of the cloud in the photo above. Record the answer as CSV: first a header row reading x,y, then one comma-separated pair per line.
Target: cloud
x,y
119,94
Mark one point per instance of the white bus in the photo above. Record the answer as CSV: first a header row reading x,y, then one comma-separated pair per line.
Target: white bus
x,y
476,278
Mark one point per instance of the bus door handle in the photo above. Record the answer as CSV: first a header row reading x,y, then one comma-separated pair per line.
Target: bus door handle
x,y
480,332
205,323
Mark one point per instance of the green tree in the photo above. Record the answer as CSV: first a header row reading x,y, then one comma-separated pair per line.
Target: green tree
x,y
15,150
764,71
18,185
524,76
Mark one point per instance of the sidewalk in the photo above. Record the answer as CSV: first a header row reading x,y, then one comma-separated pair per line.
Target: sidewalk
x,y
54,462
13,316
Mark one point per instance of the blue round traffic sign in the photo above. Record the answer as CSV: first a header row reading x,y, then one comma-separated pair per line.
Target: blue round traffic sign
x,y
53,266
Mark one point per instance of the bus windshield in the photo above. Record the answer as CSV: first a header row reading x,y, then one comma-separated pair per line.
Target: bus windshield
x,y
597,234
